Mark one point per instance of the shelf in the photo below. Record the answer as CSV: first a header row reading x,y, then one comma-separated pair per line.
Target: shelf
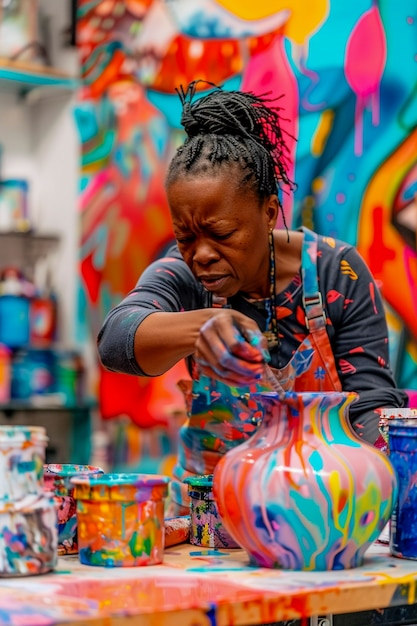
x,y
23,78
68,427
45,404
25,248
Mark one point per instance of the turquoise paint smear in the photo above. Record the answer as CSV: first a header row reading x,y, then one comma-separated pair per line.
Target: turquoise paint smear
x,y
209,553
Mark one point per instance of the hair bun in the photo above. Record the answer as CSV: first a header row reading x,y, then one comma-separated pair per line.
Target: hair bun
x,y
189,122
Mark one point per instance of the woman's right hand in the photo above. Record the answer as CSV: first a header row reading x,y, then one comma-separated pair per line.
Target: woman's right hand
x,y
231,348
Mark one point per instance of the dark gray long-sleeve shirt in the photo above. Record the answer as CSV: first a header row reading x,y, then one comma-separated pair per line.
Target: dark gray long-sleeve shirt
x,y
356,323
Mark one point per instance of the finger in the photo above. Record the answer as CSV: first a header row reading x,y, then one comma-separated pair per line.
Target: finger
x,y
214,353
257,340
223,333
246,345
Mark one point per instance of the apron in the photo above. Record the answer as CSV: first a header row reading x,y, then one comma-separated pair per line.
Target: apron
x,y
223,417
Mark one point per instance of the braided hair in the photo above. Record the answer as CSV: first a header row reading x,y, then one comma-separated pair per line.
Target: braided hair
x,y
226,127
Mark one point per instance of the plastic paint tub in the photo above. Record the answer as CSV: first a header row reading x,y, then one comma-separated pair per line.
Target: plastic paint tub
x,y
402,435
22,456
388,413
57,484
29,536
121,519
14,320
206,528
385,415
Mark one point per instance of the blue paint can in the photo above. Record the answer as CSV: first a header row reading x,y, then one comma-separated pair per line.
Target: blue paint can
x,y
32,373
402,436
14,320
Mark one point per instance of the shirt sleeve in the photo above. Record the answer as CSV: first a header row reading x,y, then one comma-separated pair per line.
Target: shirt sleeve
x,y
359,337
165,285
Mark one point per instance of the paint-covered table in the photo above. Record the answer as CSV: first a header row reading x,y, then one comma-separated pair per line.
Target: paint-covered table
x,y
196,587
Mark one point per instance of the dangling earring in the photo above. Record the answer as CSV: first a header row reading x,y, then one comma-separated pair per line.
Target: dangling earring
x,y
271,332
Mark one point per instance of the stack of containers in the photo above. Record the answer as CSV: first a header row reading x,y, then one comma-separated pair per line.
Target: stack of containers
x,y
28,522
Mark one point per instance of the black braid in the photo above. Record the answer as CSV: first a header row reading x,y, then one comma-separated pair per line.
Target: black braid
x,y
232,127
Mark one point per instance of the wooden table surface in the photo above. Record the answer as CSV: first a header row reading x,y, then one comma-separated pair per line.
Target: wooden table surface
x,y
199,587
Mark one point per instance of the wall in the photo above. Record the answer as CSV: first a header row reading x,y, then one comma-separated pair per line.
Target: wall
x,y
40,143
346,74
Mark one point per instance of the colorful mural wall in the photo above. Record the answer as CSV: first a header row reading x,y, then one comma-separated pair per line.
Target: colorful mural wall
x,y
347,74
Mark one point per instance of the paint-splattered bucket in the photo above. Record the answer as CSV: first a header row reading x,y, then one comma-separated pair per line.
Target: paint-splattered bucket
x,y
402,436
22,455
29,536
57,483
388,413
121,519
206,529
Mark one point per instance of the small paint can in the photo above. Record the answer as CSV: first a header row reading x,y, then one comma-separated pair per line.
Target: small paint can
x,y
28,543
13,205
57,483
69,376
22,456
14,320
385,415
388,413
121,519
206,526
402,436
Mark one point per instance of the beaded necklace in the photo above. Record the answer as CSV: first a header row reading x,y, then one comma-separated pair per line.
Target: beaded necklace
x,y
271,332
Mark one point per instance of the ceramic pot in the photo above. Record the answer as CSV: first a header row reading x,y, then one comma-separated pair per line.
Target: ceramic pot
x,y
305,493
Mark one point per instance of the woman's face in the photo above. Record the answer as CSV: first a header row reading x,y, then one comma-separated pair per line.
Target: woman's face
x,y
222,233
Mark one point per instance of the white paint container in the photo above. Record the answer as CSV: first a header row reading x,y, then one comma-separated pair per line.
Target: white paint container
x,y
22,456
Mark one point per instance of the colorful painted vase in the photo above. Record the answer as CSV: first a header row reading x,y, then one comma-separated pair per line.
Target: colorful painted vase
x,y
206,526
305,493
120,519
22,455
57,483
402,436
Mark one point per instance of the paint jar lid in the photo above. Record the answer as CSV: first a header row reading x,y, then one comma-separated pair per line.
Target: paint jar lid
x,y
200,487
200,480
387,414
16,435
121,487
123,479
70,469
58,475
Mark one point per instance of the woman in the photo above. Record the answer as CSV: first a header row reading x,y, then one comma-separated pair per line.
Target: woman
x,y
234,293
